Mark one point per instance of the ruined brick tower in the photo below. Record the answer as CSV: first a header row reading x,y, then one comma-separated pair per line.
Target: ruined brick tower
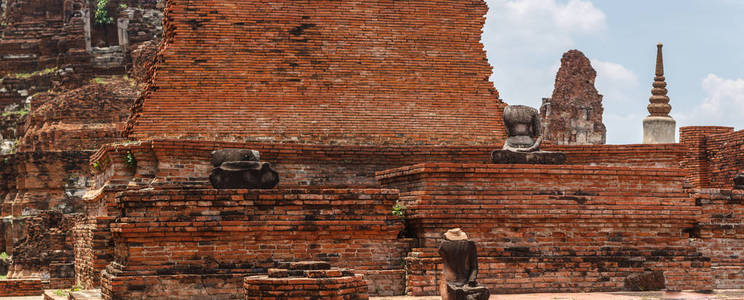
x,y
573,116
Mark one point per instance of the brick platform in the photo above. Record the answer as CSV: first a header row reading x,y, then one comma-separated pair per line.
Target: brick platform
x,y
178,243
20,287
306,280
552,228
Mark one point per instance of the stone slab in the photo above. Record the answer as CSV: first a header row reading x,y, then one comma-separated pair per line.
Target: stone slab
x,y
538,157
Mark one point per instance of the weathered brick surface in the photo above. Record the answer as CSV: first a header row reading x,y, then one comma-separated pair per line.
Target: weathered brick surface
x,y
94,250
45,249
187,161
20,287
79,119
323,72
48,180
715,155
720,234
306,280
207,235
40,34
640,155
335,288
552,228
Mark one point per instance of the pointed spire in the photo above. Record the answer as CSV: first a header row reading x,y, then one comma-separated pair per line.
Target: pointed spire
x,y
659,101
659,60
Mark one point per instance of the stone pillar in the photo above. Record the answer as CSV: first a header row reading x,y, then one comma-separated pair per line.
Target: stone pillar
x,y
86,28
122,24
659,127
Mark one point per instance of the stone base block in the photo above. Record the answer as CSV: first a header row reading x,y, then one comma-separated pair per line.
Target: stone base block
x,y
646,281
466,293
538,157
659,130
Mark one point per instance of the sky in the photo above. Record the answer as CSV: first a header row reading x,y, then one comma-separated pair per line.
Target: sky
x,y
703,56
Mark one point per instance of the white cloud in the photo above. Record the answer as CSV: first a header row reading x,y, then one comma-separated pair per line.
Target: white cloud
x,y
614,75
723,104
619,86
524,39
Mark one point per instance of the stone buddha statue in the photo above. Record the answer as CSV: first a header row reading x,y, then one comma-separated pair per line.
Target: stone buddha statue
x,y
460,259
522,128
523,139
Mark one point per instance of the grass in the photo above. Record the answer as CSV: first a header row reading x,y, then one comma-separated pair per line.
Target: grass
x,y
21,113
36,73
4,256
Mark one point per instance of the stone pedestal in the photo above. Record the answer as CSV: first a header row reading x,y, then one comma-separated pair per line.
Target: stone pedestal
x,y
659,130
466,292
537,157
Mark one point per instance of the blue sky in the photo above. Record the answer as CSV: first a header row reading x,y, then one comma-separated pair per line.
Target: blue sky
x,y
703,55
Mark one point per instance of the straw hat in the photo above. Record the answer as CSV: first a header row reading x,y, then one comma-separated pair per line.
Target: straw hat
x,y
455,234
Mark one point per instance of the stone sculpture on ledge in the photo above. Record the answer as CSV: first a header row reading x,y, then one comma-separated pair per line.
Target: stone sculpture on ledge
x,y
739,181
241,169
460,259
523,140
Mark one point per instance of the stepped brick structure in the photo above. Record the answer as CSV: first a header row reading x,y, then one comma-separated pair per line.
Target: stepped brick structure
x,y
379,118
573,115
323,72
54,118
581,228
308,280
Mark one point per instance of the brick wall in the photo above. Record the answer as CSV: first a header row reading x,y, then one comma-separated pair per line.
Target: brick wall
x,y
187,161
659,155
94,249
546,228
720,234
188,241
323,72
715,155
20,287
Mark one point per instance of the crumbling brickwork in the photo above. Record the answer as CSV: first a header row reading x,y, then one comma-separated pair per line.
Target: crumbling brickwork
x,y
79,119
46,249
573,115
323,72
552,228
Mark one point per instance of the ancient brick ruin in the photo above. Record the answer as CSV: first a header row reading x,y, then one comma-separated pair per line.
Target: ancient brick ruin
x,y
63,94
379,118
573,115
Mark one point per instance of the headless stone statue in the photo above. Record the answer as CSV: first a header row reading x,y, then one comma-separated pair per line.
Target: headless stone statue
x,y
522,128
241,169
460,259
523,139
